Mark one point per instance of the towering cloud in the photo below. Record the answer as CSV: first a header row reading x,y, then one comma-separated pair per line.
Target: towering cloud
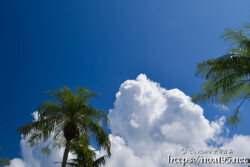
x,y
149,123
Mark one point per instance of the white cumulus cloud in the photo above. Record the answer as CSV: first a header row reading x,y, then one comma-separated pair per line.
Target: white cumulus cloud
x,y
151,123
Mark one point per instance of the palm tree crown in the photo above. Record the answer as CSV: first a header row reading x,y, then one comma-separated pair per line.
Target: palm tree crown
x,y
67,120
227,77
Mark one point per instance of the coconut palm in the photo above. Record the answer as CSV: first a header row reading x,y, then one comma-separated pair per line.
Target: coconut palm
x,y
4,161
67,120
227,77
85,155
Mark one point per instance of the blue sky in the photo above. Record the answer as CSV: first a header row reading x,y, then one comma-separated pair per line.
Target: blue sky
x,y
99,44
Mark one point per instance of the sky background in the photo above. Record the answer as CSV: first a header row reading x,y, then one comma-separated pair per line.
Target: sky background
x,y
99,44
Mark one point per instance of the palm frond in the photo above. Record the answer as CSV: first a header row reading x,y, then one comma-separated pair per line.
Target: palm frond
x,y
4,161
227,77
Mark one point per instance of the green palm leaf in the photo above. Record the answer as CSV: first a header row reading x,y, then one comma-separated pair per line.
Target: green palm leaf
x,y
4,161
227,77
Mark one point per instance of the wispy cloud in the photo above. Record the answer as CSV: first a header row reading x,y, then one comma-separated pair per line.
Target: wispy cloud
x,y
221,107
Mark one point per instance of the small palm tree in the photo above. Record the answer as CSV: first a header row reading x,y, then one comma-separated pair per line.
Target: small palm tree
x,y
85,155
227,77
4,161
67,120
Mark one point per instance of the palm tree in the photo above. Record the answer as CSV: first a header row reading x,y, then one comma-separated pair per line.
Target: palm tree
x,y
67,120
4,161
227,77
85,155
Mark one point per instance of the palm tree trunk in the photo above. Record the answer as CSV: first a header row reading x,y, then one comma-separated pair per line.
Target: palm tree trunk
x,y
65,154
